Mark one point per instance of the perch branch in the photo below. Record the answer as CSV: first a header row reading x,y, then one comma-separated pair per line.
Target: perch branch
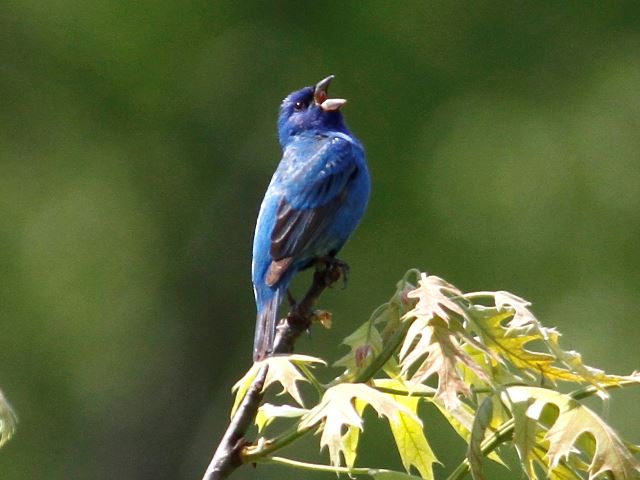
x,y
227,456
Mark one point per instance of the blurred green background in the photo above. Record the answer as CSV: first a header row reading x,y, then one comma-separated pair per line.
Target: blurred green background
x,y
137,139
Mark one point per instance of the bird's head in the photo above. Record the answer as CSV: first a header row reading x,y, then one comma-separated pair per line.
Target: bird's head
x,y
310,109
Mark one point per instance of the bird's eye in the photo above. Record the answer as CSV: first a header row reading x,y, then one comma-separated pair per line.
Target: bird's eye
x,y
298,106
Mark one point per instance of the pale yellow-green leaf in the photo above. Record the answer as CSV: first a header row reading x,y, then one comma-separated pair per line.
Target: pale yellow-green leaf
x,y
567,469
528,438
573,362
574,420
268,412
281,369
8,420
510,344
408,433
564,470
438,351
351,438
521,313
475,378
436,298
336,409
242,386
350,446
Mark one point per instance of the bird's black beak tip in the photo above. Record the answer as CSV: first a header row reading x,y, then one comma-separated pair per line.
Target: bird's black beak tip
x,y
323,84
321,97
320,90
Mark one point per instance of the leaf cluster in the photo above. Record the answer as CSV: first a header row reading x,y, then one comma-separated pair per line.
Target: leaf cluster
x,y
482,359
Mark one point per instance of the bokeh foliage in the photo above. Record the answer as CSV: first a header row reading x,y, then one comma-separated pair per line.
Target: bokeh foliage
x,y
136,141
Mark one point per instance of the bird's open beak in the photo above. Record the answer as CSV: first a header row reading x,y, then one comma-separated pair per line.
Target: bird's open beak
x,y
321,98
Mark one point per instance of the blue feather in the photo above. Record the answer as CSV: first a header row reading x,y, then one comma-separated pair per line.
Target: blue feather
x,y
314,202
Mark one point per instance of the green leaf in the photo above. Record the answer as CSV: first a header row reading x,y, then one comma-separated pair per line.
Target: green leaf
x,y
460,418
573,422
365,344
409,434
366,341
8,420
337,411
481,423
525,436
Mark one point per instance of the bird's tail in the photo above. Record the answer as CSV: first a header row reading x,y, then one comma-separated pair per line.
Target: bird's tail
x,y
266,326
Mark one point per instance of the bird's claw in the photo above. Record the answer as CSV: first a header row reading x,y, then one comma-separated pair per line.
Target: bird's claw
x,y
334,269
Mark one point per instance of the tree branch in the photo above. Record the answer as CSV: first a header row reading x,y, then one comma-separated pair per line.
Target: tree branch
x,y
227,456
299,319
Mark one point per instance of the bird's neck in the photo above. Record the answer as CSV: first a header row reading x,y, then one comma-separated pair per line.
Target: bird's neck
x,y
286,137
318,125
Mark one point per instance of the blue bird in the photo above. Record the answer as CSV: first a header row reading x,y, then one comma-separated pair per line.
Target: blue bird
x,y
314,202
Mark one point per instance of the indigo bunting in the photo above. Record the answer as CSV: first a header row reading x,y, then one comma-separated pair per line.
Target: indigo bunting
x,y
315,200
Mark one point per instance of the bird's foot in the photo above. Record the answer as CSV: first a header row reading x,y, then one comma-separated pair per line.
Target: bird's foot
x,y
334,269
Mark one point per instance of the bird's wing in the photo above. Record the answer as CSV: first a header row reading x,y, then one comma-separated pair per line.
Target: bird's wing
x,y
309,203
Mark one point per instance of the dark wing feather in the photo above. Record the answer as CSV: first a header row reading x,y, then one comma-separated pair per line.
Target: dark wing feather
x,y
301,220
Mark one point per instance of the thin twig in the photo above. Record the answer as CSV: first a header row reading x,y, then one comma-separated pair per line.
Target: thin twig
x,y
316,467
328,468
